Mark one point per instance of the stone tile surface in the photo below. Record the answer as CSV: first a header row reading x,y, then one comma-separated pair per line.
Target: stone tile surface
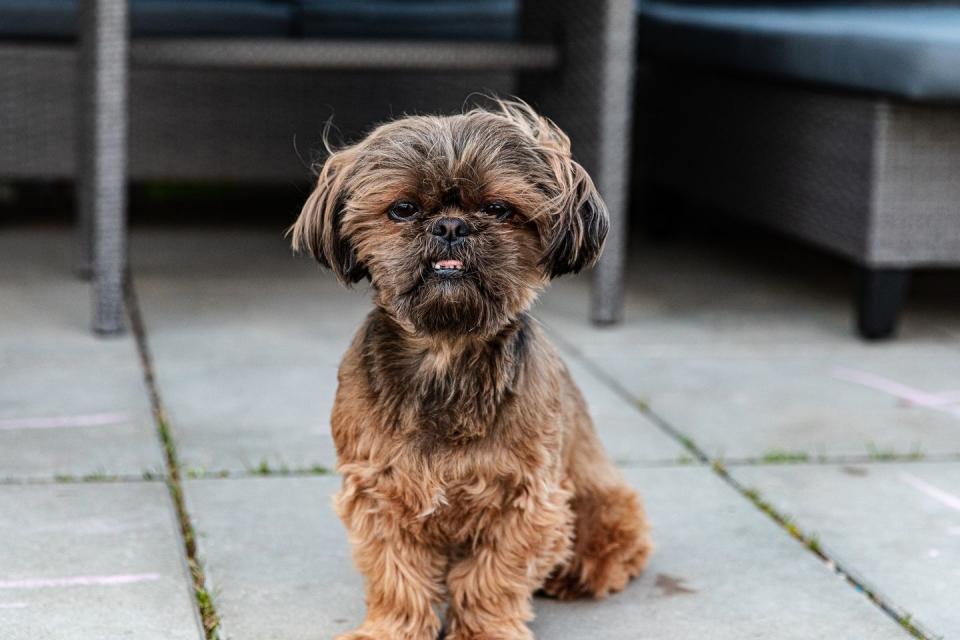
x,y
748,359
91,561
281,568
849,401
71,403
897,525
245,341
627,435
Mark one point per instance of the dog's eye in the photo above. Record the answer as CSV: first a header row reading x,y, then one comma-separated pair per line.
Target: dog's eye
x,y
403,210
498,210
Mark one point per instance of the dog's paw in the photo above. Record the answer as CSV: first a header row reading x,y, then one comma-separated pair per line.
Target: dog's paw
x,y
359,634
508,635
381,633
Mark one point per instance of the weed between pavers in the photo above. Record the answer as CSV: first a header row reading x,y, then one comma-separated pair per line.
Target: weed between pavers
x,y
885,455
812,542
778,456
205,605
96,476
265,469
208,614
261,470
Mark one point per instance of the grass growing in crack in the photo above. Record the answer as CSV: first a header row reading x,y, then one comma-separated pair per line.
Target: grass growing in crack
x,y
906,621
96,476
99,476
195,473
779,456
208,613
264,469
812,542
886,455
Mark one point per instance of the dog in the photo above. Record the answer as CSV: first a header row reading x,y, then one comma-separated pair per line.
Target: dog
x,y
471,471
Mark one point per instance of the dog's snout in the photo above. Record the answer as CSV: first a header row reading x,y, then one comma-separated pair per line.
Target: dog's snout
x,y
451,229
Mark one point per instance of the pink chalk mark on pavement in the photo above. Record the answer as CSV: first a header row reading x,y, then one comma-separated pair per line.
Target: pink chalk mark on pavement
x,y
61,422
947,401
936,493
79,581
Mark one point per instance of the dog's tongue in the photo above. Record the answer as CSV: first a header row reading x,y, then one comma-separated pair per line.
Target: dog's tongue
x,y
449,264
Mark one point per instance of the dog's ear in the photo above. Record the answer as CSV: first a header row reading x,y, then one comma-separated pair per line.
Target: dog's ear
x,y
580,223
318,229
576,224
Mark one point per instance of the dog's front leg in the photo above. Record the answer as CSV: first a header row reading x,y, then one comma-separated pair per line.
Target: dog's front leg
x,y
404,577
491,588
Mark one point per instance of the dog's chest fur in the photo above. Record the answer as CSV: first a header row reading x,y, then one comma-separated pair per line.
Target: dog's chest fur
x,y
442,442
442,393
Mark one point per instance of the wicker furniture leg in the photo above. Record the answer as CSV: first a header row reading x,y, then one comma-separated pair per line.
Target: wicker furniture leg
x,y
880,297
82,184
614,64
592,99
102,154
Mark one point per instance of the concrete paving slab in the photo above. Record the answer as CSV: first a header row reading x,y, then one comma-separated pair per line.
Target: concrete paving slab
x,y
750,360
698,294
281,569
71,404
629,437
853,401
246,341
896,525
246,353
91,561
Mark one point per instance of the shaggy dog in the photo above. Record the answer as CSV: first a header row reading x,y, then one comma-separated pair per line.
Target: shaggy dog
x,y
471,470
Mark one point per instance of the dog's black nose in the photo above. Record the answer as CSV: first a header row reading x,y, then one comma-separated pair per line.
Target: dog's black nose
x,y
451,229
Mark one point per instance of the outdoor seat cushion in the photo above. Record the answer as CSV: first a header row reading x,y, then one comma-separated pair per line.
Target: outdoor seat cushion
x,y
904,49
494,20
57,19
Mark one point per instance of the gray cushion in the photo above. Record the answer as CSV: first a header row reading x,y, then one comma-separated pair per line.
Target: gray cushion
x,y
411,19
56,19
903,49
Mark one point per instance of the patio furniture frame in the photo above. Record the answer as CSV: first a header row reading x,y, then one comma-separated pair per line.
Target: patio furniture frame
x,y
868,177
589,93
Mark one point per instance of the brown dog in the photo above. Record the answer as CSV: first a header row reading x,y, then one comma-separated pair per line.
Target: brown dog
x,y
471,469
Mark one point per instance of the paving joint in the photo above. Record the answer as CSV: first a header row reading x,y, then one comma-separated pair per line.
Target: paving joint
x,y
810,542
202,597
863,460
91,478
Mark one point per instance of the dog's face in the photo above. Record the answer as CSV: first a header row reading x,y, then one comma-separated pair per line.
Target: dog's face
x,y
457,221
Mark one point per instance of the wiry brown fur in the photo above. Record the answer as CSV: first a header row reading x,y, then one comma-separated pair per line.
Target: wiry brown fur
x,y
471,469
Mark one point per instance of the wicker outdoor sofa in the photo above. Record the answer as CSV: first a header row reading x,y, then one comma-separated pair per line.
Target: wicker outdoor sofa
x,y
836,123
240,90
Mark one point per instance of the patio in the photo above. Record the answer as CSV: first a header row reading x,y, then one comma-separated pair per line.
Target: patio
x,y
801,483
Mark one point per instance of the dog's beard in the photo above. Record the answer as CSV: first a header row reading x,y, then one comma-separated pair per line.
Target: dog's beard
x,y
452,304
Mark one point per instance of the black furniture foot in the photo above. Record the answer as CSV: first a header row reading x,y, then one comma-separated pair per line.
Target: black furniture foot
x,y
880,296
